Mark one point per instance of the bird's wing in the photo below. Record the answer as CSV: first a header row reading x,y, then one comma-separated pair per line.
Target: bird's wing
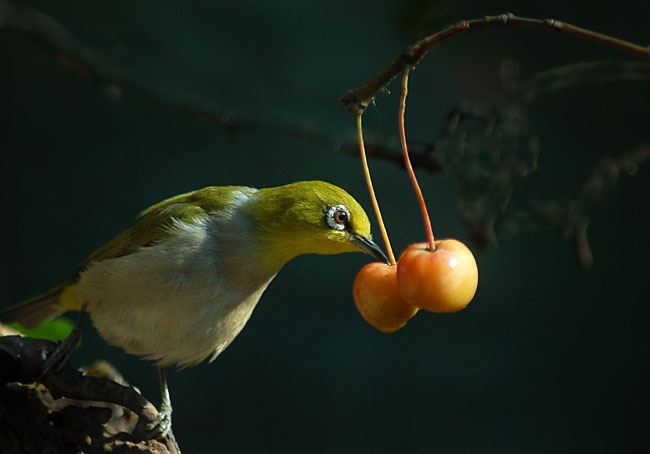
x,y
153,223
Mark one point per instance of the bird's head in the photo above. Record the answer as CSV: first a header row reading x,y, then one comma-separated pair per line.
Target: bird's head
x,y
309,217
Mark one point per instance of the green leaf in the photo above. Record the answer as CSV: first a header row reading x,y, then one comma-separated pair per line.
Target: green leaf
x,y
55,330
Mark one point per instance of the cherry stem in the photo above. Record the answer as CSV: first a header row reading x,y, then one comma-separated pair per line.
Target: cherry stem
x,y
407,161
373,197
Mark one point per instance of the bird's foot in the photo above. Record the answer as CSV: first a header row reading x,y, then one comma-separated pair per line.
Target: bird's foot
x,y
162,425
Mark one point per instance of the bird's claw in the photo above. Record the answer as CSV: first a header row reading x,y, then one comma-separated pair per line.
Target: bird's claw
x,y
161,426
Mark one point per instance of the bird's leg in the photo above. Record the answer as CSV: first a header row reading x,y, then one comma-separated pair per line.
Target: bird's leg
x,y
165,410
61,355
161,427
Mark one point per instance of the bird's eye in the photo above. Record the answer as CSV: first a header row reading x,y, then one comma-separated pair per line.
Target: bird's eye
x,y
337,217
341,217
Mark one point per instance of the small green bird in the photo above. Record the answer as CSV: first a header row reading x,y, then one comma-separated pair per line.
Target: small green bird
x,y
179,285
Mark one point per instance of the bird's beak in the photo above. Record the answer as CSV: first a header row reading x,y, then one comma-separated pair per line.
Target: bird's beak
x,y
369,246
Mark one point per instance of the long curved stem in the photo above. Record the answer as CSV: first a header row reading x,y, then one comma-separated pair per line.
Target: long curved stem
x,y
407,161
371,190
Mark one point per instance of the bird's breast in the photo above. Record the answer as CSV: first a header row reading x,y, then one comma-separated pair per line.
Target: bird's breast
x,y
181,300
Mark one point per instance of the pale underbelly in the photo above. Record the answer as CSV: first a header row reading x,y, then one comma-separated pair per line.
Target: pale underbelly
x,y
171,317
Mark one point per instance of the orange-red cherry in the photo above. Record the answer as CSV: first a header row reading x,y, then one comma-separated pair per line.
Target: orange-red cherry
x,y
378,299
442,280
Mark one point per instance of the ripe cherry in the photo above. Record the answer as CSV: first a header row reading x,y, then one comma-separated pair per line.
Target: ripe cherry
x,y
439,280
378,298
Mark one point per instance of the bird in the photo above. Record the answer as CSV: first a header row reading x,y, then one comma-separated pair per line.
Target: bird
x,y
179,285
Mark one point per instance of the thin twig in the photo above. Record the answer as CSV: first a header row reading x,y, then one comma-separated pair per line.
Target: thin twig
x,y
358,99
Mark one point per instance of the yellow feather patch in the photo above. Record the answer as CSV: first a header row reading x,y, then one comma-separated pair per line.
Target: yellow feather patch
x,y
71,298
291,220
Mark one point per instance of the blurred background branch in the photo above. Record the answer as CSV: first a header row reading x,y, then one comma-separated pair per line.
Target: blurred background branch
x,y
76,57
481,156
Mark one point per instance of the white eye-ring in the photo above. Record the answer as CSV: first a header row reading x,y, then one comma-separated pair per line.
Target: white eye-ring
x,y
337,217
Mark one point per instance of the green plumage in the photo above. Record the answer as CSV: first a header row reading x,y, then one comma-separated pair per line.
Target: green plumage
x,y
179,285
153,223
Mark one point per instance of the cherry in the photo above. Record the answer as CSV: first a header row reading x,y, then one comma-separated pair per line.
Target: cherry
x,y
378,299
439,280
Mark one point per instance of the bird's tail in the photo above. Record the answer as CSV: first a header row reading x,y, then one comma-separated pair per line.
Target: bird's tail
x,y
36,310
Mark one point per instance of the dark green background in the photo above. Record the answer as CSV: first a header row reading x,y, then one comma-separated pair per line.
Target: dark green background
x,y
547,358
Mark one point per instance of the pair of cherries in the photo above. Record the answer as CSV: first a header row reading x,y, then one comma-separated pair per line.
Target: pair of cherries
x,y
438,276
439,280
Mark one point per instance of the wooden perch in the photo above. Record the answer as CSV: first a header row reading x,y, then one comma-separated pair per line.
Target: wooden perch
x,y
67,411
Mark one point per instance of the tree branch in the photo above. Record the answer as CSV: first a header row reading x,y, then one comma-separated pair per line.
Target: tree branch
x,y
358,99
